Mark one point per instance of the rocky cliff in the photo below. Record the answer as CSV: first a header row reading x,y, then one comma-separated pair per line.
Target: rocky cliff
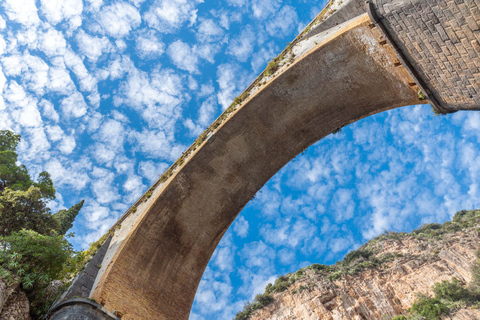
x,y
14,304
382,278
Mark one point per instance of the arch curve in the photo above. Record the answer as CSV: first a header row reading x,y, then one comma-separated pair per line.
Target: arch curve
x,y
350,74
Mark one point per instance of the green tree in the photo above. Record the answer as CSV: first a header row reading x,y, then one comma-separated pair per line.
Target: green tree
x,y
11,175
16,177
25,210
45,184
65,218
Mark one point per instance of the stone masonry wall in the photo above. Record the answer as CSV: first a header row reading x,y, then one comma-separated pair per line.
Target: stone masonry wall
x,y
441,40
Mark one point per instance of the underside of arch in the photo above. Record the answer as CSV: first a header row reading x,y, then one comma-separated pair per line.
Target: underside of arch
x,y
350,74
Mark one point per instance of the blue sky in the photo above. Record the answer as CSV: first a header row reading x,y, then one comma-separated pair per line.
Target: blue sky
x,y
107,94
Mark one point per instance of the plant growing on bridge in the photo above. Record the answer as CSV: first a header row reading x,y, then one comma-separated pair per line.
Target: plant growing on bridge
x,y
271,67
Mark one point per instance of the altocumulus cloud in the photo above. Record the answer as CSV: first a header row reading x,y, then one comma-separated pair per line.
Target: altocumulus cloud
x,y
107,94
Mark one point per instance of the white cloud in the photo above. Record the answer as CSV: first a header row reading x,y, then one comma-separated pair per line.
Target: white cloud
x,y
67,144
118,19
240,226
262,9
94,212
55,133
168,15
194,129
93,5
103,154
60,81
86,82
283,22
111,137
231,80
103,186
74,106
134,188
49,110
3,24
52,42
206,90
70,174
209,31
343,204
23,107
22,11
92,47
148,45
183,56
3,45
207,111
258,254
59,10
242,46
156,144
151,170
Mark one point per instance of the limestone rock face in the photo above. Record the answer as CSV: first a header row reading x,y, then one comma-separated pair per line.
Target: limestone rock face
x,y
14,304
381,292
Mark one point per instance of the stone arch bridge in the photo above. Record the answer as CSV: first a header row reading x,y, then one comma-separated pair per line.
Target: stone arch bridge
x,y
354,60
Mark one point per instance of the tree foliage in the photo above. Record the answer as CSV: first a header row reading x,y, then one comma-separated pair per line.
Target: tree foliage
x,y
25,210
65,218
429,308
34,260
33,248
16,177
452,291
11,175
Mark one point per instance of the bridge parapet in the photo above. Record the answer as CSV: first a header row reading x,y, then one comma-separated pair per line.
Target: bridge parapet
x,y
441,41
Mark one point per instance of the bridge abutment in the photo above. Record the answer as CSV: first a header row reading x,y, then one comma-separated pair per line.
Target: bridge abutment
x,y
440,40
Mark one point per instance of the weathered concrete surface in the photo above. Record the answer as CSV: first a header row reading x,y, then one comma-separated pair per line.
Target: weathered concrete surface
x,y
84,281
342,11
81,309
155,271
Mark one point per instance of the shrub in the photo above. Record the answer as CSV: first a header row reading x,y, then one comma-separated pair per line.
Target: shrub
x,y
261,300
452,291
281,284
359,254
399,317
475,284
430,308
34,260
321,267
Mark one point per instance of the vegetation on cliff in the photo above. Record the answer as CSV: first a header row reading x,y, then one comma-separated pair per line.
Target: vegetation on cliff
x,y
34,250
448,296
